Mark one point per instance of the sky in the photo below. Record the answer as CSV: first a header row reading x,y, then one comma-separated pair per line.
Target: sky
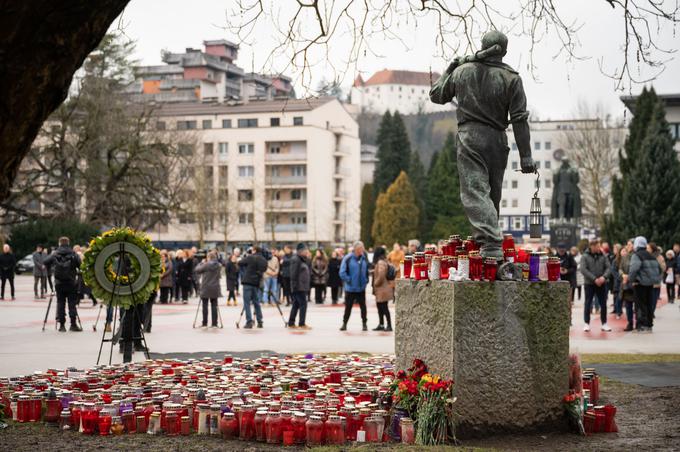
x,y
554,89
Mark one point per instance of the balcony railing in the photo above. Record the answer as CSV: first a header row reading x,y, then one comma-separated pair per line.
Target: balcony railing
x,y
286,227
286,157
286,180
342,171
288,204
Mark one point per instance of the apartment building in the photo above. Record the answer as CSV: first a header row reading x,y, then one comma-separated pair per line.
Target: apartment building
x,y
206,75
280,171
394,90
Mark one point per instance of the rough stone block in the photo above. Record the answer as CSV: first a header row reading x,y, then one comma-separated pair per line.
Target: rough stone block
x,y
505,344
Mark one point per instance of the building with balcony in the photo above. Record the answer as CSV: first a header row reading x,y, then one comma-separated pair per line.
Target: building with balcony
x,y
278,171
208,75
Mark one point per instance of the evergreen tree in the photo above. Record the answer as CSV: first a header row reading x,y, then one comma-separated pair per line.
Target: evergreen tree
x,y
649,203
382,174
366,213
396,213
394,151
445,213
616,228
416,174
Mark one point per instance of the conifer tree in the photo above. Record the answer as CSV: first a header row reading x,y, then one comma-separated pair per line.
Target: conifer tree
x,y
394,151
650,202
396,213
367,211
416,174
616,228
445,213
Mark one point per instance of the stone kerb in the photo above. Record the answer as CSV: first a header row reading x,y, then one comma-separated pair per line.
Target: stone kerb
x,y
505,344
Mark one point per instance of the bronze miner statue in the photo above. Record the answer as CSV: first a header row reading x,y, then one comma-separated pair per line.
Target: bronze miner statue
x,y
566,196
490,97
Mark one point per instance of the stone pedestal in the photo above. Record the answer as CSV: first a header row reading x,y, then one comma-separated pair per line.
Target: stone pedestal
x,y
505,344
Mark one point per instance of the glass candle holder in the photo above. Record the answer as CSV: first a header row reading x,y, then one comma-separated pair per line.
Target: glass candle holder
x,y
104,424
543,267
553,269
214,419
490,269
117,425
408,434
534,266
314,431
408,265
260,432
299,426
464,266
508,247
154,424
171,423
476,266
185,426
434,272
273,428
247,423
65,420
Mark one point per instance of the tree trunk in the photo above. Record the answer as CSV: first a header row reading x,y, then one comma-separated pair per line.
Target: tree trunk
x,y
42,44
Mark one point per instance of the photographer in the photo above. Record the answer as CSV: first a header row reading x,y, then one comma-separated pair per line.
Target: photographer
x,y
253,265
66,263
210,270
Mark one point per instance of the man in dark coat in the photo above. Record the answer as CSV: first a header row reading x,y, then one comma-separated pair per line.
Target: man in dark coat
x,y
567,268
299,286
490,97
66,263
254,265
8,263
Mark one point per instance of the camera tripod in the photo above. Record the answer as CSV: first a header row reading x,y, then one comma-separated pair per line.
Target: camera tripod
x,y
270,295
47,314
198,308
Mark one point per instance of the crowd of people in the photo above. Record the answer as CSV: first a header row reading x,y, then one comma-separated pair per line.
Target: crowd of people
x,y
632,275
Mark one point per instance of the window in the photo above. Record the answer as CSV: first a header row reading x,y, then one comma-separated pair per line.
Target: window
x,y
245,218
274,122
504,203
514,203
186,125
160,125
226,123
675,130
185,218
274,149
223,194
547,145
186,150
245,195
296,194
208,149
514,146
224,172
208,173
514,164
275,171
514,184
246,148
503,223
297,120
548,183
546,165
246,171
250,122
223,150
537,145
276,195
518,223
538,164
206,124
299,170
298,219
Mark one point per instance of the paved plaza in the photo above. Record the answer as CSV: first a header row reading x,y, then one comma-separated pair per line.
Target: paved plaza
x,y
25,348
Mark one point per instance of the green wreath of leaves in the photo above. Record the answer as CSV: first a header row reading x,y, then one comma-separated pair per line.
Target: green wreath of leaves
x,y
114,235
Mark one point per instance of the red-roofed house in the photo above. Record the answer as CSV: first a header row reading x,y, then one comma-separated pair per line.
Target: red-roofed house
x,y
405,91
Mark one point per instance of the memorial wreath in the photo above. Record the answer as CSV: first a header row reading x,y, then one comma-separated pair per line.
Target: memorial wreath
x,y
122,267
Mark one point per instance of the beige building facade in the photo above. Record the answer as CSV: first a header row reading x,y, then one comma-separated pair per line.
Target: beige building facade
x,y
274,172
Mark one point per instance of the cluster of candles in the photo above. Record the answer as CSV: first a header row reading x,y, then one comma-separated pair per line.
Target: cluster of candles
x,y
458,259
310,400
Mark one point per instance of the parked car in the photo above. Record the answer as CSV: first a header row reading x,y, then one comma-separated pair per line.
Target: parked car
x,y
25,265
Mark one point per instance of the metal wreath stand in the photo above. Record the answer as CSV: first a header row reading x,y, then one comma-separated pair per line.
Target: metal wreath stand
x,y
120,250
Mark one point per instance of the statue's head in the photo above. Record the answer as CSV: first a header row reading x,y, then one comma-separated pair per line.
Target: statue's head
x,y
494,37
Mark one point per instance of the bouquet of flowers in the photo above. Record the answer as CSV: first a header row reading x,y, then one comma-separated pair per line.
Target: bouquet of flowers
x,y
573,405
428,401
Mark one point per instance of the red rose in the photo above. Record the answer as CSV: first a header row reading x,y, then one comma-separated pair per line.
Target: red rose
x,y
401,375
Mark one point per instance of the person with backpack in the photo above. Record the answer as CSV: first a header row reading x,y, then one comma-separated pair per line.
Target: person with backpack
x,y
645,271
384,275
354,274
66,263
